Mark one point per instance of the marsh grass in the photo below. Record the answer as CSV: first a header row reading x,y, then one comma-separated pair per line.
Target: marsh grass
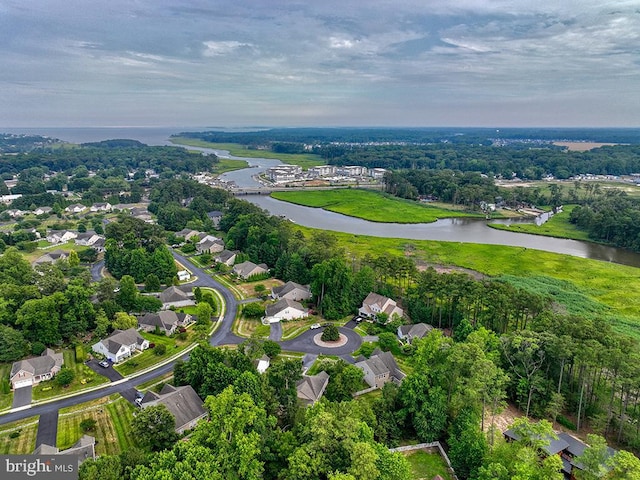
x,y
370,205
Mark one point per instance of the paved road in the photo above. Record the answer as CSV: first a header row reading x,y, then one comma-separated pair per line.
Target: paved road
x,y
47,428
96,271
223,336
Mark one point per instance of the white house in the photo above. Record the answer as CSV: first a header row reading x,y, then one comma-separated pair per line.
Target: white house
x,y
285,309
210,244
101,207
13,213
375,304
42,210
380,368
87,239
121,344
263,364
61,236
75,208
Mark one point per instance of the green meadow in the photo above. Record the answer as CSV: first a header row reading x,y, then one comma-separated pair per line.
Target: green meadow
x,y
580,285
305,160
369,205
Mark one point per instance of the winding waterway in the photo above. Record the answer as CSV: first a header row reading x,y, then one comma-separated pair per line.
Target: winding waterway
x,y
452,230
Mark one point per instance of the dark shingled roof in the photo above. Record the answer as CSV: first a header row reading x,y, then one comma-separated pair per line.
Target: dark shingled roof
x,y
183,403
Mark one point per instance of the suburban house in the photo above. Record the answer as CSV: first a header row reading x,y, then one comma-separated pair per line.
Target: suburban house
x,y
184,275
311,387
167,321
215,217
75,208
188,234
84,448
13,213
292,291
87,239
183,403
380,368
409,332
141,214
51,257
248,269
210,244
285,309
227,257
121,344
32,371
263,364
101,207
567,446
176,297
375,304
60,236
42,210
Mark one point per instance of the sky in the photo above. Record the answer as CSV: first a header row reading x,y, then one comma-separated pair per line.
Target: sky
x,y
509,63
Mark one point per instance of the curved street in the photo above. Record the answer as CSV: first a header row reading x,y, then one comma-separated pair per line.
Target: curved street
x,y
222,336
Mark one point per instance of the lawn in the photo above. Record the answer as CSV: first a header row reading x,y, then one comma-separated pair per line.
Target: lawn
x,y
245,327
370,205
25,442
148,358
113,419
425,466
85,378
615,287
557,226
305,160
6,399
293,328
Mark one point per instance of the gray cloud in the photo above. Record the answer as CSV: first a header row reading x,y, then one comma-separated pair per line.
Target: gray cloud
x,y
247,62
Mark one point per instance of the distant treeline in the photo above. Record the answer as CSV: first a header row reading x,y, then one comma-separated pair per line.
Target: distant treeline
x,y
110,154
483,136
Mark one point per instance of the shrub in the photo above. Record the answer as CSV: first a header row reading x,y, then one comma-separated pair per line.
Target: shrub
x,y
14,434
37,348
88,424
253,310
65,377
565,422
271,349
81,356
330,334
160,349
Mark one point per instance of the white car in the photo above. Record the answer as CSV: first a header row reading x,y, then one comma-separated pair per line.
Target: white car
x,y
315,326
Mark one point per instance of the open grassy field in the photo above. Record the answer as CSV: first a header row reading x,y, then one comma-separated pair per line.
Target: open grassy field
x,y
425,465
557,226
113,419
369,205
614,288
228,165
305,160
25,442
85,378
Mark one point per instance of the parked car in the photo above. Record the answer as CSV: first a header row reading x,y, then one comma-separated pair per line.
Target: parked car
x,y
139,394
104,364
315,326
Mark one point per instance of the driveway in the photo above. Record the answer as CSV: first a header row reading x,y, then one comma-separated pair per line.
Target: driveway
x,y
130,395
47,428
22,397
96,271
108,372
275,333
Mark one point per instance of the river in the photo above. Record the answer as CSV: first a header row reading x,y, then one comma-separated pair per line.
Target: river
x,y
452,230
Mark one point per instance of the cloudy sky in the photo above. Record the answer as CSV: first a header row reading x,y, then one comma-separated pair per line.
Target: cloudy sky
x,y
319,62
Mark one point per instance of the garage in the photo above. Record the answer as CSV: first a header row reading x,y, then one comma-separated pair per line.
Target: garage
x,y
23,383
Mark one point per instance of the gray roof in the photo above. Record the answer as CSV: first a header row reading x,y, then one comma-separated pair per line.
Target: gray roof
x,y
225,255
83,448
289,287
417,330
183,403
173,294
51,257
214,214
381,363
246,269
280,305
39,365
165,319
311,388
554,445
122,337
